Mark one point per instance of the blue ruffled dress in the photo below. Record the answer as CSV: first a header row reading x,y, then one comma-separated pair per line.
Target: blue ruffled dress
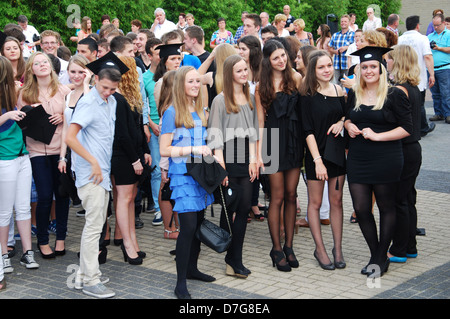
x,y
187,193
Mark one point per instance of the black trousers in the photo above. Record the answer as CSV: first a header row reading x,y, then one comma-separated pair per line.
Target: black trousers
x,y
404,240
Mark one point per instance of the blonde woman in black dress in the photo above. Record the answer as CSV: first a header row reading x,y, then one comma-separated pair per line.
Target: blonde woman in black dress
x,y
378,118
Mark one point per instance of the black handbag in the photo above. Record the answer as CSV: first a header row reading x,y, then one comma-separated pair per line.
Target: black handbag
x,y
213,236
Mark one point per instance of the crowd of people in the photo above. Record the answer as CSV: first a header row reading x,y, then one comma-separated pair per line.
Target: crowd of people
x,y
114,126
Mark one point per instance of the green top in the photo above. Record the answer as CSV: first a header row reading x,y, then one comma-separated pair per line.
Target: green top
x,y
11,141
149,84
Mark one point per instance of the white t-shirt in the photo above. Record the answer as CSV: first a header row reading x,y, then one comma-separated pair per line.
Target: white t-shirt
x,y
161,29
372,25
29,33
354,59
421,45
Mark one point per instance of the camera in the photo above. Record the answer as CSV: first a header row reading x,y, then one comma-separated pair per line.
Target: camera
x,y
432,44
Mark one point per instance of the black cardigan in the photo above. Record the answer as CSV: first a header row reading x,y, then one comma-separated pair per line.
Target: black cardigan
x,y
129,137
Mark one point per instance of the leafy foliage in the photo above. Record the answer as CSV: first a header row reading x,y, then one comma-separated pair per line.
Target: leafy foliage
x,y
55,14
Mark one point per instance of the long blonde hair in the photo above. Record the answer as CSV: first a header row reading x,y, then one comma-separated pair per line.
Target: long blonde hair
x,y
405,68
223,51
228,87
181,103
129,85
30,88
382,89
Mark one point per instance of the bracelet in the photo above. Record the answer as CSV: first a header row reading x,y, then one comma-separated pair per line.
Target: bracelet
x,y
317,158
61,159
138,161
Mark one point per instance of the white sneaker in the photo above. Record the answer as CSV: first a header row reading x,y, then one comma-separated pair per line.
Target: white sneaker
x,y
28,261
7,267
79,284
98,291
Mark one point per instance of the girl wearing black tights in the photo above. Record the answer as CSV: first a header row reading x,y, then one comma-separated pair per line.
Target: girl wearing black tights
x,y
378,117
183,134
232,134
276,97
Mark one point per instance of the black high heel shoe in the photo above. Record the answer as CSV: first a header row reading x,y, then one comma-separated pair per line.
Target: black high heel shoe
x,y
46,256
380,271
182,295
277,256
142,254
329,266
60,252
290,256
338,264
131,261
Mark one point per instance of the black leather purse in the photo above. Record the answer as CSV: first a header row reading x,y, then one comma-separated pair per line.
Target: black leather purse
x,y
213,236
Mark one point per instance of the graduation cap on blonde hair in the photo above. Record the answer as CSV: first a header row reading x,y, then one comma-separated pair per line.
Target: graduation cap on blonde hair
x,y
109,60
370,53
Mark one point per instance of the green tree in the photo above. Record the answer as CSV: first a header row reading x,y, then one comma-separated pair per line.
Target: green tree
x,y
55,14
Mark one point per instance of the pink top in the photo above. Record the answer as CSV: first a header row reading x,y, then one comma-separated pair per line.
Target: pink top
x,y
54,105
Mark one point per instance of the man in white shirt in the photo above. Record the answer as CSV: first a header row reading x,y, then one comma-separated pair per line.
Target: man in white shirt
x,y
372,22
31,36
421,45
50,42
161,24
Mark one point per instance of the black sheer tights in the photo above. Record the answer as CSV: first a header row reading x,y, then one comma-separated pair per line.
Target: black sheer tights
x,y
283,194
362,203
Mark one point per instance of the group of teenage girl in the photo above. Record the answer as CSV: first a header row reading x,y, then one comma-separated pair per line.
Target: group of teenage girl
x,y
265,117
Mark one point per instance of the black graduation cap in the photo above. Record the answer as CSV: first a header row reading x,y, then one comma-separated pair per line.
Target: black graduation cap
x,y
169,49
109,60
36,124
2,38
369,53
207,172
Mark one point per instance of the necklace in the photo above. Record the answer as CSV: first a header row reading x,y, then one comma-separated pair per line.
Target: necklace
x,y
371,95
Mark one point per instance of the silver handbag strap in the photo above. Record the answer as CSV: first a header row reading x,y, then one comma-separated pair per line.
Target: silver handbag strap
x,y
224,207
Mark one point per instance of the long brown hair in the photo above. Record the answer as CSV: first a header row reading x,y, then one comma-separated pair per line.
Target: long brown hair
x,y
84,26
228,87
165,96
21,61
8,97
30,88
310,83
180,102
267,91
